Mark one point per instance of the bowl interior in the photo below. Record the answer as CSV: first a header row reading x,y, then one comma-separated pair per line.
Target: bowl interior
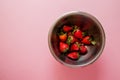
x,y
86,23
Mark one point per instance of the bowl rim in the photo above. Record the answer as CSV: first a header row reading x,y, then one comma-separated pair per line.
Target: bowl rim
x,y
87,15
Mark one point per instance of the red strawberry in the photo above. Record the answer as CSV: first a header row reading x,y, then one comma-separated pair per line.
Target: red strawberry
x,y
86,40
83,49
75,46
73,55
63,47
67,28
77,32
71,39
63,37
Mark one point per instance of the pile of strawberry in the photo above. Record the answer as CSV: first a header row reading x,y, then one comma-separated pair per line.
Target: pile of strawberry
x,y
73,42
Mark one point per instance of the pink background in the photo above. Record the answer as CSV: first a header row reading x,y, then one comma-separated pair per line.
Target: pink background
x,y
24,52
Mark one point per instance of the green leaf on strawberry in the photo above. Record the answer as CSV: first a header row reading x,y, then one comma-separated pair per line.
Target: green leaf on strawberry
x,y
70,39
93,42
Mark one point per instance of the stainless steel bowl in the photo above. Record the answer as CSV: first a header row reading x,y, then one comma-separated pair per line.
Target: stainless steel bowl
x,y
77,18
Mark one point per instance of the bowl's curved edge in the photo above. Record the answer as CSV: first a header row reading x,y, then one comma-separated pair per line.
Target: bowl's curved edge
x,y
96,21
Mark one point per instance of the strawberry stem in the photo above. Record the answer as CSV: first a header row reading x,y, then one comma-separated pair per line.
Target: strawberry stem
x,y
75,28
68,40
77,44
93,42
65,50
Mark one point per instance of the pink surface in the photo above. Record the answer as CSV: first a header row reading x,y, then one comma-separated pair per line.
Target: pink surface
x,y
24,52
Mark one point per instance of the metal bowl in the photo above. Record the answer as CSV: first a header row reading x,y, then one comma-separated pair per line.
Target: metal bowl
x,y
79,19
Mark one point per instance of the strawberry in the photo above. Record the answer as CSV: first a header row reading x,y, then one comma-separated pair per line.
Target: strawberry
x,y
63,37
67,28
75,46
63,47
83,49
70,39
73,55
86,40
77,33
